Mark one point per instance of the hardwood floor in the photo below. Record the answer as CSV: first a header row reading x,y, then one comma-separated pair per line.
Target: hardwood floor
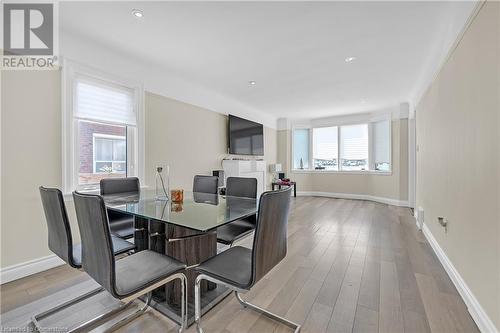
x,y
352,266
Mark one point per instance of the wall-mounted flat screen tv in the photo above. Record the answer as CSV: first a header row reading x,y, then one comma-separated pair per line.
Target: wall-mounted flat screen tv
x,y
245,137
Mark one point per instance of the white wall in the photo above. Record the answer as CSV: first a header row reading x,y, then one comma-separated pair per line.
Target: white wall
x,y
458,161
190,139
31,156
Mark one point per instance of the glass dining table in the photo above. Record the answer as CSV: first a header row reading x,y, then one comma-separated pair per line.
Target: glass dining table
x,y
186,231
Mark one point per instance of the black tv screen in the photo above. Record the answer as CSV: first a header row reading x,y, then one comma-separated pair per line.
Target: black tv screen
x,y
245,137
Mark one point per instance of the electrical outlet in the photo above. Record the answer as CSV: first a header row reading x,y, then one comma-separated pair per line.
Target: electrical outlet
x,y
444,223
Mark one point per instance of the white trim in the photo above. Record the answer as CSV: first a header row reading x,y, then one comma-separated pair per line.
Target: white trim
x,y
483,321
448,44
27,268
388,201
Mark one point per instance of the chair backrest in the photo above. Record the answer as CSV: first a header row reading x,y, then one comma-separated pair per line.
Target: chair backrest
x,y
241,187
97,248
119,185
59,230
205,184
270,240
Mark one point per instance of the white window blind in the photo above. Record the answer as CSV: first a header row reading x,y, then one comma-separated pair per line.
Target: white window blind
x,y
325,146
382,145
354,142
103,101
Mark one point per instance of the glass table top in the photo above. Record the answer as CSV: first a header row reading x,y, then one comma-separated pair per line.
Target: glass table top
x,y
198,211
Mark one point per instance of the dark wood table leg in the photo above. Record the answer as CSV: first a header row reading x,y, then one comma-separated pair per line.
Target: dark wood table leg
x,y
190,247
295,190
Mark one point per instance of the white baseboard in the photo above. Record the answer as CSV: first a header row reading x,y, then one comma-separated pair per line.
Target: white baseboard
x,y
387,201
24,269
477,312
415,216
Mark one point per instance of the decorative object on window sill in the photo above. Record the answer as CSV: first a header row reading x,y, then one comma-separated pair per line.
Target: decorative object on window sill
x,y
301,166
161,184
177,195
275,169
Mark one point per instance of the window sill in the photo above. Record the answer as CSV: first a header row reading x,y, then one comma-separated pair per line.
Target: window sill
x,y
343,172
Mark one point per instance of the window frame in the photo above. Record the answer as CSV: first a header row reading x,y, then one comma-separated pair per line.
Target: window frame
x,y
70,148
339,125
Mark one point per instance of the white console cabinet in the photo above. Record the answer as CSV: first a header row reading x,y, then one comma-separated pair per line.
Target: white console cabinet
x,y
247,169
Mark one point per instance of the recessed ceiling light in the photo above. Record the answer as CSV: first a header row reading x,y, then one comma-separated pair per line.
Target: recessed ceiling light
x,y
350,59
137,13
252,83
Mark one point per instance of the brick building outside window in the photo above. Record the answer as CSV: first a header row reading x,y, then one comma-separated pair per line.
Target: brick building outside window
x,y
103,152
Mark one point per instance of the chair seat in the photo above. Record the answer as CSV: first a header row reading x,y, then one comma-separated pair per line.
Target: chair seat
x,y
233,266
233,231
143,269
121,225
119,245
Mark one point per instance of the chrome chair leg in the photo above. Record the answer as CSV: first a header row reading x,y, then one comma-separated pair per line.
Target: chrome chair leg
x,y
132,316
36,318
149,297
197,303
245,304
184,304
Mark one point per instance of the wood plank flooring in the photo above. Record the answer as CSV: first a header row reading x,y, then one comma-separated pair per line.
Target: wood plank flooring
x,y
352,266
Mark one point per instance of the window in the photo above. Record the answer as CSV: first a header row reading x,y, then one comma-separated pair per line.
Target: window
x,y
301,149
325,148
354,147
110,154
101,129
382,145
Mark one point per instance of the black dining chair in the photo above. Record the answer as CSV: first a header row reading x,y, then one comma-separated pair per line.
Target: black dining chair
x,y
121,224
205,184
240,268
60,241
231,232
131,277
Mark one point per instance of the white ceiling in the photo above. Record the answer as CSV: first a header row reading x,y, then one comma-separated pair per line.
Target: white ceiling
x,y
295,51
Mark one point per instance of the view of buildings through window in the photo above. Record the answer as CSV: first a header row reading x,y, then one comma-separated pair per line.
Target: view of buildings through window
x,y
102,151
